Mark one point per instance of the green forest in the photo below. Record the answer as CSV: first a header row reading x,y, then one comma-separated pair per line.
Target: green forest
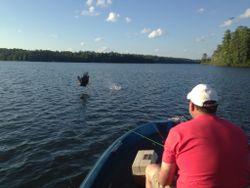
x,y
85,56
234,50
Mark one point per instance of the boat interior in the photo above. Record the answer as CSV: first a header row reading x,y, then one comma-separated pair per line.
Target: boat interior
x,y
116,164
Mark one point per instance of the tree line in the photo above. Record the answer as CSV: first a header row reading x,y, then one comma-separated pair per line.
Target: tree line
x,y
234,50
85,56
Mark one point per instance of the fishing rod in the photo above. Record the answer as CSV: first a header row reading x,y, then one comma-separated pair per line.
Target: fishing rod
x,y
176,120
159,133
149,139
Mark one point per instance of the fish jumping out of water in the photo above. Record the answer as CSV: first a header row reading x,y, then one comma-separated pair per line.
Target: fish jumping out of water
x,y
84,80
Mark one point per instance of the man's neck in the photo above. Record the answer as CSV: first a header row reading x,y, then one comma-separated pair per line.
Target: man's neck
x,y
197,113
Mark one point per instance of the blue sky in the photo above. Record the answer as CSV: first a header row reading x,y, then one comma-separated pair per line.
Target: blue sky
x,y
171,28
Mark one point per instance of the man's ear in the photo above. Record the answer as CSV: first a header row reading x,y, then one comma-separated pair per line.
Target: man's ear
x,y
192,106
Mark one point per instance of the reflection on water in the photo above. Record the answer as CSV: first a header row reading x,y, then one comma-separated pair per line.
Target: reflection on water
x,y
52,131
84,97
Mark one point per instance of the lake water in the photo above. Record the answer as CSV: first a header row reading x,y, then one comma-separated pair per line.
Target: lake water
x,y
52,131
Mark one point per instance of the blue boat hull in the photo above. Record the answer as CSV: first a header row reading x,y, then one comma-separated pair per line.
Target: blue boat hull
x,y
114,167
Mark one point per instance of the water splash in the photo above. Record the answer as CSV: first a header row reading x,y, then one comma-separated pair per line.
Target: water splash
x,y
115,87
178,119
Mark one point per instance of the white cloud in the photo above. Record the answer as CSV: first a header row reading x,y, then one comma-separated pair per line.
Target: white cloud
x,y
89,2
128,20
201,10
155,33
246,14
145,30
90,12
227,23
91,9
103,3
98,39
82,43
233,20
112,17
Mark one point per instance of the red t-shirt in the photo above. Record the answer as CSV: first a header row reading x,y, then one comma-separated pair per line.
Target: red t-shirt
x,y
209,153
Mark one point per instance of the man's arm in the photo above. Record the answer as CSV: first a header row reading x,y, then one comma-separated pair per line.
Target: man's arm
x,y
166,173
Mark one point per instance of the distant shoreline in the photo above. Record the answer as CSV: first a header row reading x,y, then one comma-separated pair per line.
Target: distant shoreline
x,y
87,57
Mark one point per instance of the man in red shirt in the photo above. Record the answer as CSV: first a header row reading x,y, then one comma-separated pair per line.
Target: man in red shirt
x,y
208,152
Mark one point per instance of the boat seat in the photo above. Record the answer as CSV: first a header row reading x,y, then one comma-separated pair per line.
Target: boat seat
x,y
142,159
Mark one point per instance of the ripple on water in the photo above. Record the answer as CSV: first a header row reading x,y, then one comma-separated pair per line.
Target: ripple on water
x,y
52,131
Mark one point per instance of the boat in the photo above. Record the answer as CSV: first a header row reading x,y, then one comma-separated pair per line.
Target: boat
x,y
116,167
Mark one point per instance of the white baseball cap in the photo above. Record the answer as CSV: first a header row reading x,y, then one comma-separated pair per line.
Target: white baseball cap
x,y
201,94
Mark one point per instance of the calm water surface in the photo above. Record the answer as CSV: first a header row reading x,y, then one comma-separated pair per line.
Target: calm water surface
x,y
52,131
